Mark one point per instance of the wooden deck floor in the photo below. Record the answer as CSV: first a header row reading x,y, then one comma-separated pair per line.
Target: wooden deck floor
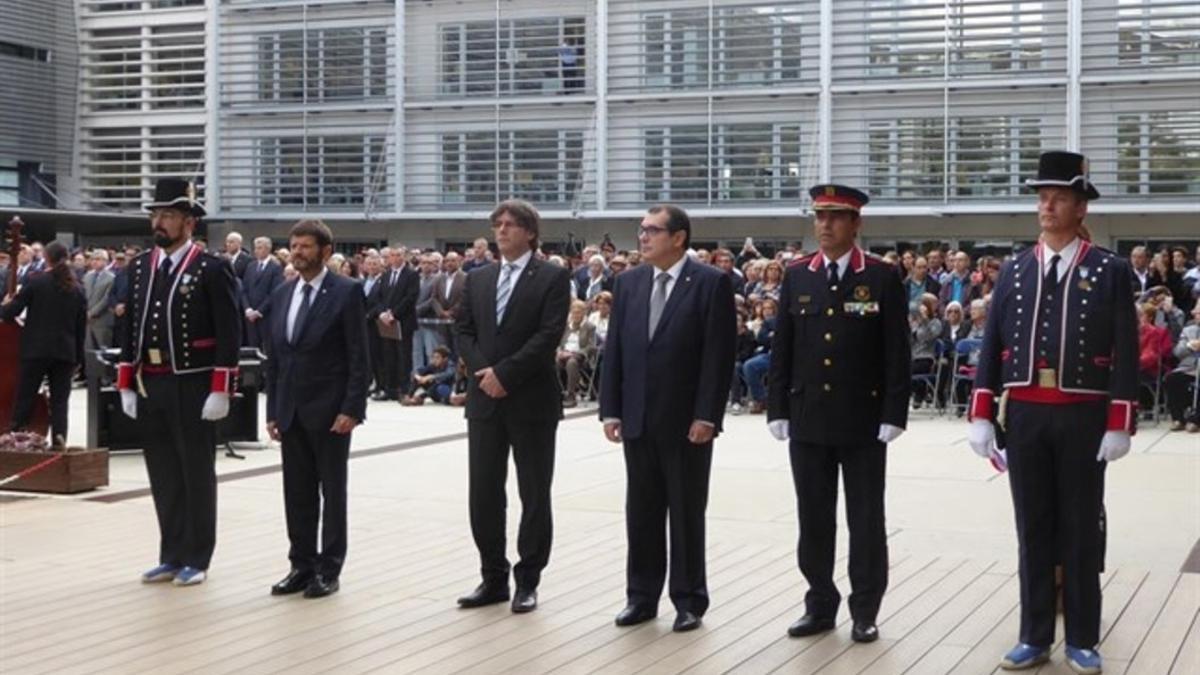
x,y
70,601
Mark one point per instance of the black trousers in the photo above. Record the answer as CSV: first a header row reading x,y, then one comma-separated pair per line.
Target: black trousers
x,y
1058,492
315,471
180,449
667,481
33,372
532,446
1178,389
375,349
815,474
397,365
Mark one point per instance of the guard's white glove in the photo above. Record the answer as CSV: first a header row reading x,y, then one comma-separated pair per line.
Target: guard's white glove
x,y
1114,446
216,407
129,403
889,433
778,429
982,437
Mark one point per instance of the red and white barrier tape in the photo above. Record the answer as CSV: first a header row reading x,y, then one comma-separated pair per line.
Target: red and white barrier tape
x,y
32,470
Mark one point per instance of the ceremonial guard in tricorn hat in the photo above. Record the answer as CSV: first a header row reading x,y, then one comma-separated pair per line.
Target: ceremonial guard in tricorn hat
x,y
1058,371
178,363
838,390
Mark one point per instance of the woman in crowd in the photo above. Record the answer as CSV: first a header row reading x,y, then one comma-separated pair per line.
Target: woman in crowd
x,y
955,327
578,340
752,271
926,329
599,318
349,268
1179,381
754,370
52,340
772,280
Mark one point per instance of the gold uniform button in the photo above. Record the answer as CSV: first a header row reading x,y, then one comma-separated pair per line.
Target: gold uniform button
x,y
829,337
829,387
874,394
829,312
828,362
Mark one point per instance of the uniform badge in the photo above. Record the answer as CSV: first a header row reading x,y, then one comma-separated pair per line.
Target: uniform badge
x,y
184,289
1085,285
805,299
862,293
1084,272
187,279
155,357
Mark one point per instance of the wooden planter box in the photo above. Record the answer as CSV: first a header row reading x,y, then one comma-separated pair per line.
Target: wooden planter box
x,y
76,472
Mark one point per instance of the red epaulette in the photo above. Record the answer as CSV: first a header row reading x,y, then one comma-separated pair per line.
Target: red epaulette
x,y
873,259
802,261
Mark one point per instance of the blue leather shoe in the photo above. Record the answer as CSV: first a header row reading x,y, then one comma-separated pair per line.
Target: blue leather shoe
x,y
1084,661
190,576
160,574
1024,656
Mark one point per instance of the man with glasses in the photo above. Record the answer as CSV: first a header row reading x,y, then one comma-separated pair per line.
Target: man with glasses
x,y
838,389
668,364
512,319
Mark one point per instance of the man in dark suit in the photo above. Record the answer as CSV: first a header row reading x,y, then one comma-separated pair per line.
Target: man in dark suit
x,y
399,303
372,287
236,255
512,319
317,380
259,281
667,367
839,388
447,296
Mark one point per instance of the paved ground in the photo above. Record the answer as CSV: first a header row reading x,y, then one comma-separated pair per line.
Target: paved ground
x,y
70,600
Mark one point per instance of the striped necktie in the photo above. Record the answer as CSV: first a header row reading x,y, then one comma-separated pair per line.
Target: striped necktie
x,y
504,290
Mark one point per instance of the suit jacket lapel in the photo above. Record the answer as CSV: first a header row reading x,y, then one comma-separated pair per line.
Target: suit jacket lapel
x,y
683,285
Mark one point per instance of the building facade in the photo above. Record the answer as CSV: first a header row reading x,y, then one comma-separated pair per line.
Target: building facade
x,y
406,120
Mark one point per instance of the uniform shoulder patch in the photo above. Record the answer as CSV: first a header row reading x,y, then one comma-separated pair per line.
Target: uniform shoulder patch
x,y
801,261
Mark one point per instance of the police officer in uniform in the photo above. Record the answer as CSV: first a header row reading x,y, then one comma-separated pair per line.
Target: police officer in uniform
x,y
839,389
1061,343
176,375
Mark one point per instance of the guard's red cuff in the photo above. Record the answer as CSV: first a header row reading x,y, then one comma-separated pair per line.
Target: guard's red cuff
x,y
1122,416
223,380
982,406
124,376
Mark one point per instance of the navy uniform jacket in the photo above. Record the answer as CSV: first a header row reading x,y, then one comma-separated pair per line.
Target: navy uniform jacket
x,y
1097,333
841,361
658,387
204,327
324,372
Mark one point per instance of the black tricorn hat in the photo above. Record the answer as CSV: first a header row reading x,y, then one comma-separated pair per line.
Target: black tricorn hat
x,y
1064,169
176,193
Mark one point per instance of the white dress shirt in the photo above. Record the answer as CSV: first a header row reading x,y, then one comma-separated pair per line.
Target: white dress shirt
x,y
298,297
842,263
1067,255
521,264
176,257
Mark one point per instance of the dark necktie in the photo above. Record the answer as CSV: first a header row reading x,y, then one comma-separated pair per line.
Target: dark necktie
x,y
832,269
1052,272
302,313
165,269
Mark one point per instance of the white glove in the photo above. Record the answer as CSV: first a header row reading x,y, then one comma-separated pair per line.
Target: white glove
x,y
1114,446
129,403
889,433
982,437
216,407
778,429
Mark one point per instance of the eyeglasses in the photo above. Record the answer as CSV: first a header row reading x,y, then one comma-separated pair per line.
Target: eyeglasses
x,y
650,231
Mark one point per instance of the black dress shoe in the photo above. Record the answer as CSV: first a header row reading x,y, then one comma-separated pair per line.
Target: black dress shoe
x,y
483,595
294,582
525,600
685,621
321,586
810,625
632,615
864,631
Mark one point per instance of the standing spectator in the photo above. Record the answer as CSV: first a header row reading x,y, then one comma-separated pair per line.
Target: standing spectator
x,y
723,260
937,264
349,269
568,56
372,287
235,254
427,338
958,287
481,255
1140,260
447,296
920,283
259,281
317,378
618,264
926,330
668,364
512,320
398,314
80,265
991,274
52,342
1181,287
1178,382
597,280
752,272
577,343
97,287
119,297
907,261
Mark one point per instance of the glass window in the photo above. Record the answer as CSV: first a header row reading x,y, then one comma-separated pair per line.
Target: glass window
x,y
1159,153
542,166
515,56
